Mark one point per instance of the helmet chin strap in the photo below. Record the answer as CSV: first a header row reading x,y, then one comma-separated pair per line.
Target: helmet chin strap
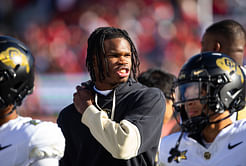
x,y
197,124
217,121
9,113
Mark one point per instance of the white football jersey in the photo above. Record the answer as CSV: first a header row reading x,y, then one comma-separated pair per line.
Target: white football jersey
x,y
24,141
228,148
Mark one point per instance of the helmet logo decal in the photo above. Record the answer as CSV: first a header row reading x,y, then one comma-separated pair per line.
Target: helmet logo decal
x,y
12,57
227,64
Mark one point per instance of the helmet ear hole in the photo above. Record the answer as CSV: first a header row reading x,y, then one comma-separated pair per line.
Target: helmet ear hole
x,y
238,103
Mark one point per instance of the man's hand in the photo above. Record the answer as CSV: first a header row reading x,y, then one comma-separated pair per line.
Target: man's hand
x,y
82,98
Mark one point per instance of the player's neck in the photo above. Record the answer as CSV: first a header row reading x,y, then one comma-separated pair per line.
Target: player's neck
x,y
5,119
211,131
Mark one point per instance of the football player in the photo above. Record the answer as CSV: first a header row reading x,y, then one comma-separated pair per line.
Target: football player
x,y
228,37
209,89
23,141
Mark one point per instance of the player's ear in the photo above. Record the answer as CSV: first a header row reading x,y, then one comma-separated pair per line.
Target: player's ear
x,y
217,46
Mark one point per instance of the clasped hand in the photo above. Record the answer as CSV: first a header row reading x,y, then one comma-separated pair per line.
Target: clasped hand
x,y
82,98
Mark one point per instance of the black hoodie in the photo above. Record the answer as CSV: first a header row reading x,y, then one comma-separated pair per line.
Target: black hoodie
x,y
142,106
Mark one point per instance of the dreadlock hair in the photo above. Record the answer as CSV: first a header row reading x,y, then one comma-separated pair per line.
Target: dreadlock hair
x,y
95,51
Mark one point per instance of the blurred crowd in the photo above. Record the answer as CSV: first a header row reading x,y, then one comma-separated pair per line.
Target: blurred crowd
x,y
166,32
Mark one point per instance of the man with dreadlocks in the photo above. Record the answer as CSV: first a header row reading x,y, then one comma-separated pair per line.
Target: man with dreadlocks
x,y
114,120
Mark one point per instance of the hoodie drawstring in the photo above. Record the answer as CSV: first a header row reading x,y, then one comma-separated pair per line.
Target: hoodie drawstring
x,y
113,105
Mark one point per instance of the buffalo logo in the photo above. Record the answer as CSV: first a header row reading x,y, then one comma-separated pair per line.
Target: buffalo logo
x,y
182,156
13,57
207,155
228,65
